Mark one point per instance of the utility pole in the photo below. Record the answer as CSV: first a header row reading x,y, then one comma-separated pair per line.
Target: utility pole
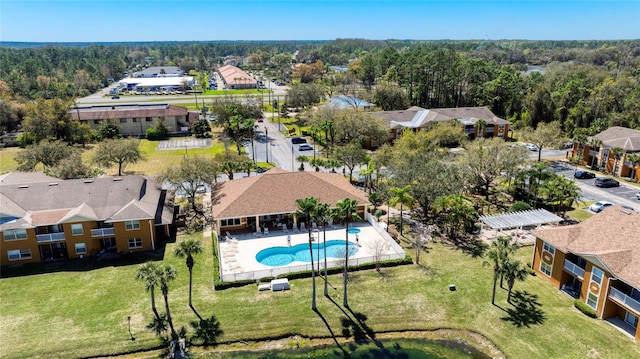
x,y
266,142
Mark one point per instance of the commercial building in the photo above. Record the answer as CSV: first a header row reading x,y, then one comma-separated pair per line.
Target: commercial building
x,y
135,119
235,79
44,218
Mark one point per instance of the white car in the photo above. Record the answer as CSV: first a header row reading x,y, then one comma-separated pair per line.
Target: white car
x,y
531,147
599,206
638,196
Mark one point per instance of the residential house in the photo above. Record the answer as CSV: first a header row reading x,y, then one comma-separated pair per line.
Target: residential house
x,y
419,119
598,262
135,119
44,218
269,200
608,150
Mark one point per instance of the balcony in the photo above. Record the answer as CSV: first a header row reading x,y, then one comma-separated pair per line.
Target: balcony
x,y
101,232
50,237
594,153
624,299
469,130
573,269
489,129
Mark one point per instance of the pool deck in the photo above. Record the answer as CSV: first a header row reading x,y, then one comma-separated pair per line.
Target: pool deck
x,y
238,254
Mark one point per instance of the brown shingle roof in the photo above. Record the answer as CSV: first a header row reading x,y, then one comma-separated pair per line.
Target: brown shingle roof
x,y
625,138
276,191
127,111
612,235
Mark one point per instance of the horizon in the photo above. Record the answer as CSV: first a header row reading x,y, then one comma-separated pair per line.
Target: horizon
x,y
100,21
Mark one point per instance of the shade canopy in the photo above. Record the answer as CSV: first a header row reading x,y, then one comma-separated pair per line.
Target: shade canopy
x,y
534,217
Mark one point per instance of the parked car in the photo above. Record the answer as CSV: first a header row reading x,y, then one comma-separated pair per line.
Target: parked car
x,y
260,119
599,206
567,144
305,147
584,175
638,196
606,182
298,140
115,97
531,147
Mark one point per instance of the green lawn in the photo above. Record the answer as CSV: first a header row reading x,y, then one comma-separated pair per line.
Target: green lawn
x,y
7,161
74,312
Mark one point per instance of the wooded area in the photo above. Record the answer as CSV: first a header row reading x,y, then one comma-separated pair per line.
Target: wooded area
x,y
580,84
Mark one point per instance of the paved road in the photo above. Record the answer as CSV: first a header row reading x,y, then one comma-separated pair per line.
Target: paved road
x,y
623,195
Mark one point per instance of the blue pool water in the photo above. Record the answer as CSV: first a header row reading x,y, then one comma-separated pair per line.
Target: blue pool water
x,y
353,230
281,256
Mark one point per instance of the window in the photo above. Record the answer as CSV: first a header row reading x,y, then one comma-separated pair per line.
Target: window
x,y
13,234
19,254
549,248
596,275
131,225
96,122
123,120
81,248
135,243
76,229
230,222
148,119
135,119
592,300
545,268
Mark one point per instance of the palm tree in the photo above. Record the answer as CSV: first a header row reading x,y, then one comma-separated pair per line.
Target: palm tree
x,y
149,273
327,126
165,275
402,196
188,248
302,160
513,270
321,215
593,144
634,158
480,125
347,212
538,173
307,208
580,137
498,254
618,153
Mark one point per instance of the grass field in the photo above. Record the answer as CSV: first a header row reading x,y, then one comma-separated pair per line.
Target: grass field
x,y
68,312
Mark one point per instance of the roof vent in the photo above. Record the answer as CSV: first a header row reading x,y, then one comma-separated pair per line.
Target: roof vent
x,y
23,186
117,179
53,184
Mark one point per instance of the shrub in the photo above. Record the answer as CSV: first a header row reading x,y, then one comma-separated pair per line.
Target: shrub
x,y
154,134
584,308
519,206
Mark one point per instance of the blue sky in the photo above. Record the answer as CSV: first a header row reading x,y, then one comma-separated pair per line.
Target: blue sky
x,y
134,20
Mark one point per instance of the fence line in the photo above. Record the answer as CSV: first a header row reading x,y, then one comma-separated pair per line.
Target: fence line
x,y
275,271
392,243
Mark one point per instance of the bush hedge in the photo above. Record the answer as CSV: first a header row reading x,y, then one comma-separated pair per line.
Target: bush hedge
x,y
584,308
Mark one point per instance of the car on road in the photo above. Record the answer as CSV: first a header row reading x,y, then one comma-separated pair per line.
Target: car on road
x,y
116,97
531,147
606,182
584,175
305,147
599,206
638,196
298,140
260,119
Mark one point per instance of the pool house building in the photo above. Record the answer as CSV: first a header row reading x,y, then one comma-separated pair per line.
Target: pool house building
x,y
267,202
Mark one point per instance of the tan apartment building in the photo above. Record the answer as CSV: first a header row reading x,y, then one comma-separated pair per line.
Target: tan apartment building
x,y
597,262
45,219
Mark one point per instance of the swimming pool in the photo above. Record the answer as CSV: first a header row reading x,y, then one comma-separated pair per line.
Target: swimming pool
x,y
281,256
353,230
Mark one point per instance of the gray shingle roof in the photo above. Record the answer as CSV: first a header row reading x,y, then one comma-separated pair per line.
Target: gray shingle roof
x,y
36,200
622,137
